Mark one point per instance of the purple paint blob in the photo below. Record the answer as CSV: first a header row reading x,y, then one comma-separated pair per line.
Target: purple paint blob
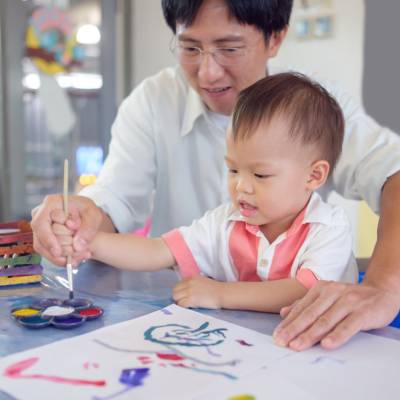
x,y
133,376
68,321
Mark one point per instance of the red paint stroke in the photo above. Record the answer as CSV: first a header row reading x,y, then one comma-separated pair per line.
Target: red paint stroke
x,y
180,365
172,357
243,342
15,371
87,364
144,358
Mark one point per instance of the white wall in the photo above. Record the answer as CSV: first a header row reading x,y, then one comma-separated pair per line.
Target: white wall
x,y
338,58
151,39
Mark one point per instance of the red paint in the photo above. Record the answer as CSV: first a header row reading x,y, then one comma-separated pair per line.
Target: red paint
x,y
172,357
15,371
180,365
90,312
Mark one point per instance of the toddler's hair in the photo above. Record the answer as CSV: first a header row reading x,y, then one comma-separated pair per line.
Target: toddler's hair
x,y
314,117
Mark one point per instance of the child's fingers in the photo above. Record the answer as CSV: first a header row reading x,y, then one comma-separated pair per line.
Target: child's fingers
x,y
74,220
61,230
65,240
58,216
67,250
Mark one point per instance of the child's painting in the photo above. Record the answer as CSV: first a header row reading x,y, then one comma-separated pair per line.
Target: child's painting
x,y
169,354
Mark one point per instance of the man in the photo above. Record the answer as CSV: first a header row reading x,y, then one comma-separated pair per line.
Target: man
x,y
168,140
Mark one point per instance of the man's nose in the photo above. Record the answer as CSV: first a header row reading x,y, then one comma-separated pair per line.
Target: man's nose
x,y
209,70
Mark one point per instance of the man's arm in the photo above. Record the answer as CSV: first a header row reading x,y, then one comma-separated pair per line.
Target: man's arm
x,y
333,312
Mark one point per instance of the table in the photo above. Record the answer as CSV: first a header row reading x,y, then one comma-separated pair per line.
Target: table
x,y
122,294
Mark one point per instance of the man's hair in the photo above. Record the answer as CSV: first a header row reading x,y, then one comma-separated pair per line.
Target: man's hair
x,y
313,116
267,15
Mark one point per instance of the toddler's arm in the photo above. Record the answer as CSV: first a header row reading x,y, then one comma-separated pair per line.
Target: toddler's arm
x,y
125,251
267,296
128,251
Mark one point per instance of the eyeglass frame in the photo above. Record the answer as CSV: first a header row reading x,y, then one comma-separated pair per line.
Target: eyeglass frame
x,y
174,47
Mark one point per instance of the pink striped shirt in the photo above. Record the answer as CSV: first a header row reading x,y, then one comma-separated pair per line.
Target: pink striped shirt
x,y
318,245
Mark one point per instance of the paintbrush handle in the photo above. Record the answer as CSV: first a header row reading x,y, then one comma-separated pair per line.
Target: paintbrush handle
x,y
65,204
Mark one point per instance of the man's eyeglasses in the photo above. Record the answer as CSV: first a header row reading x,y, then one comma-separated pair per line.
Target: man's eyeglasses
x,y
194,55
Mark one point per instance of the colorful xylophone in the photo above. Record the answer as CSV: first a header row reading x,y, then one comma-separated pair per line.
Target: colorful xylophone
x,y
19,264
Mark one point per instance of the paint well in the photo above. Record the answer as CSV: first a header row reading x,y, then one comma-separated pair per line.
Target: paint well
x,y
92,312
24,312
47,302
35,322
56,311
78,303
68,321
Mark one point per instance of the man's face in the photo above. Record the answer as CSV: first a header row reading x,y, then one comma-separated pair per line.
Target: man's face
x,y
219,85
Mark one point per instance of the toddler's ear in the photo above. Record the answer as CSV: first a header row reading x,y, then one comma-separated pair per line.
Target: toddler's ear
x,y
319,172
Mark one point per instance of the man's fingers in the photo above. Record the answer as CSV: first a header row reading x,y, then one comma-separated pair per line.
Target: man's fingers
x,y
57,260
286,310
304,314
343,332
321,326
44,241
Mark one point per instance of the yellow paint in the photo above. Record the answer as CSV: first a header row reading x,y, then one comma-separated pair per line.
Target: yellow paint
x,y
242,397
366,231
25,312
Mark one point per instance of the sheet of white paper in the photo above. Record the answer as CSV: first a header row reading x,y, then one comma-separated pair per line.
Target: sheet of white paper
x,y
264,384
60,116
184,352
365,368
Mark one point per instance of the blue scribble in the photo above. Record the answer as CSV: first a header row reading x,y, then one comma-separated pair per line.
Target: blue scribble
x,y
134,376
183,335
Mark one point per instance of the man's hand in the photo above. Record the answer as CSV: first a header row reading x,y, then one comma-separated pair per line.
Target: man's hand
x,y
84,220
332,312
198,292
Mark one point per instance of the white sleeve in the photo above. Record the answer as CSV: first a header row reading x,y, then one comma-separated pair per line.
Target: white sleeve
x,y
370,155
126,182
328,253
203,241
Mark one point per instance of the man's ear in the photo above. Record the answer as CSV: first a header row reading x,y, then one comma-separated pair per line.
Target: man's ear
x,y
275,41
319,172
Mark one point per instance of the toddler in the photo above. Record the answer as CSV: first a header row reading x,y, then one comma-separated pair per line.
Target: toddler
x,y
276,238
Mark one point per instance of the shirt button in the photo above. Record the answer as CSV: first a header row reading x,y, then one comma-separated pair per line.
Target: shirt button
x,y
264,263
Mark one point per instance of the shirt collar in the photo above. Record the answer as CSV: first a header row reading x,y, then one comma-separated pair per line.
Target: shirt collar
x,y
316,211
194,108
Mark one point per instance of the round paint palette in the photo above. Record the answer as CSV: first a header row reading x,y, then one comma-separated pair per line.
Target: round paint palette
x,y
62,314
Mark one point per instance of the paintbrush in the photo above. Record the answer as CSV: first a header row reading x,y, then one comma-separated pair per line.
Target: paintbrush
x,y
65,200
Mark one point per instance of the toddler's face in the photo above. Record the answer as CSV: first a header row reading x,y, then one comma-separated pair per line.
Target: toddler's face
x,y
269,176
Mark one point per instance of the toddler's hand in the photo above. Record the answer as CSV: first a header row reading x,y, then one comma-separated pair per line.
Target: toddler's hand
x,y
198,292
64,237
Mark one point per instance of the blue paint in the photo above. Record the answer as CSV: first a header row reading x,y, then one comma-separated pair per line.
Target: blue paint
x,y
182,335
134,376
34,322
